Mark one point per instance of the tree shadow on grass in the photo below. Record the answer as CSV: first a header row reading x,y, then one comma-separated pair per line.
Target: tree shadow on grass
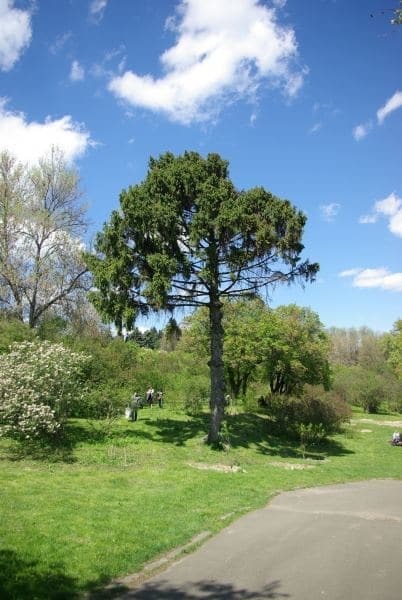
x,y
209,590
23,579
254,430
179,432
245,430
39,451
59,449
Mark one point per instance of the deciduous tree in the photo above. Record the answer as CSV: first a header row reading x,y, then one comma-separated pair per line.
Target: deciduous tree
x,y
295,350
41,221
393,345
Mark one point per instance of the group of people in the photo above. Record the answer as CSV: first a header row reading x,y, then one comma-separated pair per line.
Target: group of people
x,y
151,396
137,403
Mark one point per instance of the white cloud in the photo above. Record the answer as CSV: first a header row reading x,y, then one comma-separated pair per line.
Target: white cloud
x,y
365,219
29,141
316,127
392,104
60,41
360,131
108,67
224,51
375,278
77,72
330,211
322,111
391,208
350,272
15,33
97,10
253,118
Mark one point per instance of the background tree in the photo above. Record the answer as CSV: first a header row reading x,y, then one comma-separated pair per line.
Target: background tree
x,y
393,349
150,338
357,347
361,387
294,350
41,221
171,336
372,350
195,334
344,345
243,338
185,237
243,341
364,365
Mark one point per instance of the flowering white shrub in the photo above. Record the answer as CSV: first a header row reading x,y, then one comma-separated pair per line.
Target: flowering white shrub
x,y
39,382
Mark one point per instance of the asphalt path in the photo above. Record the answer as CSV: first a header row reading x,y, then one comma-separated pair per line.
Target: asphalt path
x,y
337,542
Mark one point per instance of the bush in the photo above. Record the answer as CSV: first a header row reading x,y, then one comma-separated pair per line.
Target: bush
x,y
196,395
104,402
113,360
40,382
14,330
316,413
310,434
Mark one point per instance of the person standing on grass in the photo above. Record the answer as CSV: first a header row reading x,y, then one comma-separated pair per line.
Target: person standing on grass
x,y
135,405
150,396
159,397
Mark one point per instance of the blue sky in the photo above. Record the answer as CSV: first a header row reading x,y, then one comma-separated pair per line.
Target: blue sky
x,y
303,97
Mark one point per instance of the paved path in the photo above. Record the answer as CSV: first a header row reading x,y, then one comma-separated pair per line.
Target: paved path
x,y
338,542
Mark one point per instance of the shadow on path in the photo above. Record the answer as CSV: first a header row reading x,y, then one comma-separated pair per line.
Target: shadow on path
x,y
206,590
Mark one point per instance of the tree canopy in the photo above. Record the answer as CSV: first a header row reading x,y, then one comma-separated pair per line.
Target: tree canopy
x,y
393,345
288,345
186,237
295,350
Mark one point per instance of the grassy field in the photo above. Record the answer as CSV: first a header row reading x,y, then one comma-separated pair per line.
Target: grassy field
x,y
110,501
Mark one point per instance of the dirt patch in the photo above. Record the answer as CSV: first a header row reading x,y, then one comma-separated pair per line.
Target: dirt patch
x,y
291,466
366,431
218,467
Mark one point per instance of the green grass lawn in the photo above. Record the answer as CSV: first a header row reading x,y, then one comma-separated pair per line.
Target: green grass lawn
x,y
74,518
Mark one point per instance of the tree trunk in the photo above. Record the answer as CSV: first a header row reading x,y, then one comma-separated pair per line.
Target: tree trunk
x,y
216,370
244,384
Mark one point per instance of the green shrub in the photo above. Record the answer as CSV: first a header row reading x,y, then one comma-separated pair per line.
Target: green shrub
x,y
14,330
196,395
321,412
104,402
